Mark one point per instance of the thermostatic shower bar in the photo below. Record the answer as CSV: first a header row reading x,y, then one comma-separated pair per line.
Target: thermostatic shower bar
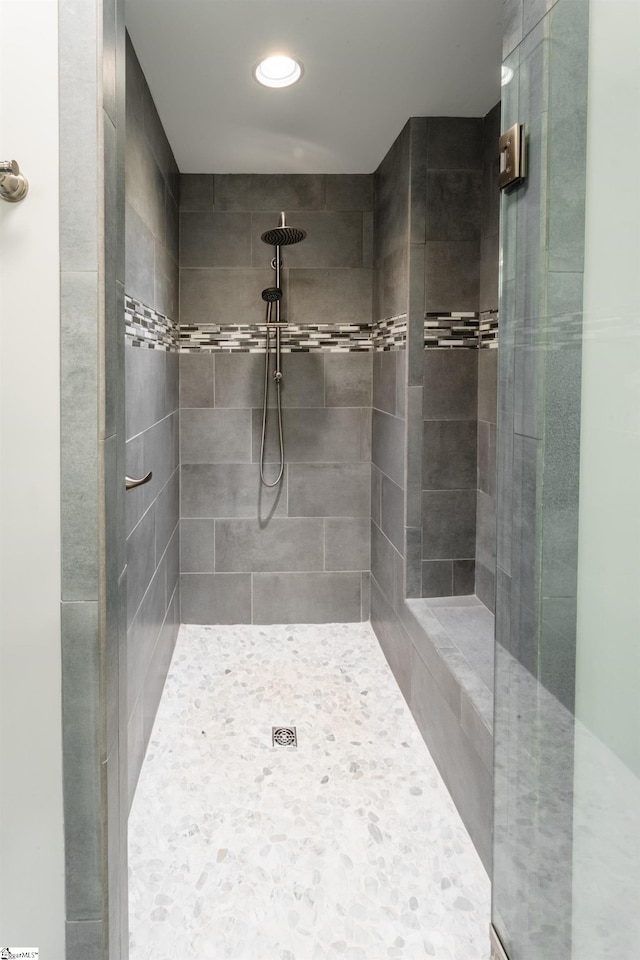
x,y
13,185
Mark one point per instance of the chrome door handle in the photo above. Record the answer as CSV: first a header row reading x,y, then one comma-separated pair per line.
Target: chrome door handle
x,y
130,483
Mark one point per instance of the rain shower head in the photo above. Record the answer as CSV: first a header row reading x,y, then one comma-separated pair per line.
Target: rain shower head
x,y
282,235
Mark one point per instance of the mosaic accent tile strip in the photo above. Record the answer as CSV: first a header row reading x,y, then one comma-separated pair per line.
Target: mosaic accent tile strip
x,y
390,334
488,330
461,329
148,328
296,338
346,848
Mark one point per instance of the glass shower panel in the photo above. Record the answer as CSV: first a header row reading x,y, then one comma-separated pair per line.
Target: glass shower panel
x,y
566,870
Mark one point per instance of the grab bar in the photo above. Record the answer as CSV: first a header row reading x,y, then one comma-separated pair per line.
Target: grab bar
x,y
130,483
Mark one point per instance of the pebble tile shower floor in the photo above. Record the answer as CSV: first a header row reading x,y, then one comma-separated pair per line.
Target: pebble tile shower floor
x,y
347,847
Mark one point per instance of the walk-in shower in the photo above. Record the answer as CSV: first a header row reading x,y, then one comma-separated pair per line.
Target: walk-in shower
x,y
280,236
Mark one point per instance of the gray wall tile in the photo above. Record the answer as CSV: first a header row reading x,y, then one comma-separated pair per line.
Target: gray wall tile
x,y
223,295
329,490
144,388
215,239
348,379
85,940
452,275
464,578
448,524
453,203
392,512
196,192
197,546
349,191
306,597
468,780
383,562
437,578
215,436
347,543
334,239
230,490
388,445
394,640
215,598
450,384
312,435
79,436
384,381
287,192
449,454
283,544
196,379
240,380
487,385
82,761
342,295
454,143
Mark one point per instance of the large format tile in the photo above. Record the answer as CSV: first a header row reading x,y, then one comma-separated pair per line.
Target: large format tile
x,y
282,544
349,191
330,296
79,436
215,240
223,295
387,445
452,275
196,379
313,435
215,598
449,454
453,204
230,490
286,192
384,381
448,524
196,192
348,378
450,384
82,767
347,543
329,490
306,597
215,436
453,143
333,239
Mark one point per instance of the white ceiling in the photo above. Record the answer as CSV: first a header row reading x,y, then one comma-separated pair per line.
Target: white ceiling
x,y
369,66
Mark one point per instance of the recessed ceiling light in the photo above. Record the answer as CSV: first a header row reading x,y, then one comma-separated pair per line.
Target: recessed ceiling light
x,y
507,75
278,71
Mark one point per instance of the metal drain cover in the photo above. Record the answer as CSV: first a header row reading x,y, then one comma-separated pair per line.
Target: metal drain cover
x,y
284,737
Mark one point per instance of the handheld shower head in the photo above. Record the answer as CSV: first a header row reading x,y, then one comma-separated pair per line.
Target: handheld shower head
x,y
272,294
282,235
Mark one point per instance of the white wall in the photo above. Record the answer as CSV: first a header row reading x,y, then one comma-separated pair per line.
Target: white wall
x,y
31,819
606,921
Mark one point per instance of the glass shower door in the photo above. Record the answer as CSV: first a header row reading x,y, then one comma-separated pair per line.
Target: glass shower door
x,y
566,870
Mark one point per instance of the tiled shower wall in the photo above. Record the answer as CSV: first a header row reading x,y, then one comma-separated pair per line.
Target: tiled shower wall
x,y
153,612
429,228
391,225
299,552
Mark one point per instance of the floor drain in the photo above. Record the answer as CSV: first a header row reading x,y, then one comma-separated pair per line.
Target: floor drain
x,y
284,736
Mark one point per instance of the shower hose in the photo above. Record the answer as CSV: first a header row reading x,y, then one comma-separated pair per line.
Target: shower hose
x,y
277,376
